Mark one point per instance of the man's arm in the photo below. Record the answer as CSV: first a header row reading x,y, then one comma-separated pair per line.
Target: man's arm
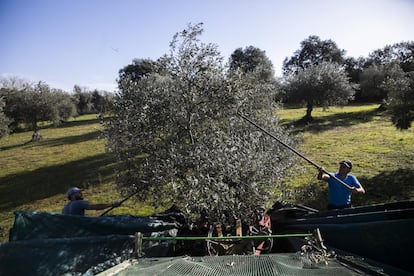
x,y
359,189
322,175
102,206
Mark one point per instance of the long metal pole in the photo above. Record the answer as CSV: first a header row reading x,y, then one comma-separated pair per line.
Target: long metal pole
x,y
295,151
122,201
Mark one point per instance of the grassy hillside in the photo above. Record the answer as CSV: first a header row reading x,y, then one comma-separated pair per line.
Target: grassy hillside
x,y
35,175
383,156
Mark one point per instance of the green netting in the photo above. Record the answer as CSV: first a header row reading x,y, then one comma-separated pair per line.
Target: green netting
x,y
270,264
54,244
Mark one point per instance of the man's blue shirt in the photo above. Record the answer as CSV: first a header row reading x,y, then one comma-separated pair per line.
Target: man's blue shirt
x,y
338,194
75,207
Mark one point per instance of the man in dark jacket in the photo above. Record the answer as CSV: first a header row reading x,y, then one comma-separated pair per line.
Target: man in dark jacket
x,y
77,205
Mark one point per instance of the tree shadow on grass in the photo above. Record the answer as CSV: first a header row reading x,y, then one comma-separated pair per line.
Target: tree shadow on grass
x,y
48,125
81,122
67,140
16,146
22,188
387,187
325,123
74,139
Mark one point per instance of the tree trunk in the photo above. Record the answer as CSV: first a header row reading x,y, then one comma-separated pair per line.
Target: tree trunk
x,y
308,116
34,125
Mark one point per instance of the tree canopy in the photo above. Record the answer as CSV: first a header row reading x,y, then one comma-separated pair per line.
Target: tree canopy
x,y
139,68
400,91
4,121
401,53
91,102
313,51
252,59
30,103
179,140
323,85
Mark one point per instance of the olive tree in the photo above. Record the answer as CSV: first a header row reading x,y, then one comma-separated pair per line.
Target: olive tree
x,y
313,51
31,103
179,140
4,121
323,85
401,53
400,101
252,59
137,70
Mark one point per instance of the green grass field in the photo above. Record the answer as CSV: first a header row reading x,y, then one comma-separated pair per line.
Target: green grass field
x,y
383,156
36,175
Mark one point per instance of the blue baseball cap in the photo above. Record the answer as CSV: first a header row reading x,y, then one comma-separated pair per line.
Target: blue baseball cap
x,y
72,191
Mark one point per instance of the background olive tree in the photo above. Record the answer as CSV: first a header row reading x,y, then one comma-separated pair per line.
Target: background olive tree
x,y
323,85
138,69
91,102
179,140
29,104
400,102
313,51
387,77
252,59
4,121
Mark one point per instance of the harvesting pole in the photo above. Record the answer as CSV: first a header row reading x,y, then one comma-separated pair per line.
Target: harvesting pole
x,y
295,151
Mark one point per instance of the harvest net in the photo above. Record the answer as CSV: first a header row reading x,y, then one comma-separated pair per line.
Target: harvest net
x,y
270,264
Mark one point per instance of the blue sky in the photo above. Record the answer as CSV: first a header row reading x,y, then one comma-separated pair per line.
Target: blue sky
x,y
86,42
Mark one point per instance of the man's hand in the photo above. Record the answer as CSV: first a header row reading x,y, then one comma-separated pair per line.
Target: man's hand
x,y
322,175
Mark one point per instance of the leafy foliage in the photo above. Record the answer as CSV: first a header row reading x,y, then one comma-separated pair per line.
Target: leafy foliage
x,y
323,85
373,78
91,102
354,68
313,51
34,103
380,65
252,59
400,89
178,138
401,53
4,121
139,68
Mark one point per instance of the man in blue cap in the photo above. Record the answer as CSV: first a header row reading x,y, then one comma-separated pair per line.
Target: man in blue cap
x,y
77,205
340,196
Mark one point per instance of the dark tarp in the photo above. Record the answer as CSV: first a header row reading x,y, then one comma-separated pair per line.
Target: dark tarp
x,y
74,256
40,225
54,244
382,232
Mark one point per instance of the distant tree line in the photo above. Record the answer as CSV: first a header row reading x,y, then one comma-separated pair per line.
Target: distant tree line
x,y
91,102
24,104
319,74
